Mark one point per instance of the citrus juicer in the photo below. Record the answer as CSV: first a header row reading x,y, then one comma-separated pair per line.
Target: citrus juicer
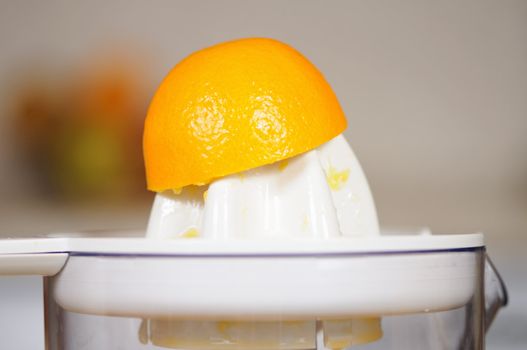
x,y
210,276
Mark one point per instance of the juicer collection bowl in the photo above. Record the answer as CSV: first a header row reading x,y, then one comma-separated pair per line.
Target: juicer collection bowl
x,y
383,292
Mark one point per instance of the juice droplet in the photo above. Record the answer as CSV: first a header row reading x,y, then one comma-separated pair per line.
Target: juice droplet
x,y
336,179
177,191
283,164
190,233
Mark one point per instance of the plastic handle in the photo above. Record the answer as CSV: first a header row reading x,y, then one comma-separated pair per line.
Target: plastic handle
x,y
496,295
43,264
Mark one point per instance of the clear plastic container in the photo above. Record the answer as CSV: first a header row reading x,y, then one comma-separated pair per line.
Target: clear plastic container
x,y
415,299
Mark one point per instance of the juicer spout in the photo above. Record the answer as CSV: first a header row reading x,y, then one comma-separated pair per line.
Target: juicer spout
x,y
496,295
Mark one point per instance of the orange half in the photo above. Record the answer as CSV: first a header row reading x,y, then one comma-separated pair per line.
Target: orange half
x,y
233,107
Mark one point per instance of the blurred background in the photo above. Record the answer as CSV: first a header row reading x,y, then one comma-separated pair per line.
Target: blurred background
x,y
435,94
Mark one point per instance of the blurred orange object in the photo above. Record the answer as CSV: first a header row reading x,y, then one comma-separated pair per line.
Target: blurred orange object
x,y
83,137
233,107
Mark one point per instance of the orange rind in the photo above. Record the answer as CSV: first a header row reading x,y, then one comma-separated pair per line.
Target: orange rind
x,y
233,107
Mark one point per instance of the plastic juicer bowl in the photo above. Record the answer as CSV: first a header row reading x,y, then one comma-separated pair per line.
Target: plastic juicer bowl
x,y
384,292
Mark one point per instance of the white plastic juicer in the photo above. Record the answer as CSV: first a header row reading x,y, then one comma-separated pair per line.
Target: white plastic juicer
x,y
286,256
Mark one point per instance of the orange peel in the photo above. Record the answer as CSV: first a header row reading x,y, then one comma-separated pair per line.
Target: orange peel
x,y
233,107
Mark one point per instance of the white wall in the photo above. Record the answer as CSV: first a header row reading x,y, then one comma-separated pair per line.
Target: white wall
x,y
435,92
